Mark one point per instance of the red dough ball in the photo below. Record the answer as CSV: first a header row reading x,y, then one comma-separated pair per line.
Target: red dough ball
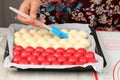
x,y
25,54
45,62
91,60
60,50
83,60
68,63
73,59
78,54
18,48
16,52
45,53
51,58
70,50
89,54
39,49
24,61
29,49
62,59
67,55
35,53
31,58
81,50
56,63
57,54
41,58
50,50
16,59
35,62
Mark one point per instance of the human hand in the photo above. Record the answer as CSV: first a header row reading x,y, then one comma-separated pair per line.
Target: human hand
x,y
30,7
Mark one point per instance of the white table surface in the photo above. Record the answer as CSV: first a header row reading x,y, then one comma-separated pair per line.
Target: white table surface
x,y
112,55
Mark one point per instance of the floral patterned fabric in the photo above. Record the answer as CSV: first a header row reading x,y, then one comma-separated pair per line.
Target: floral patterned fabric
x,y
100,14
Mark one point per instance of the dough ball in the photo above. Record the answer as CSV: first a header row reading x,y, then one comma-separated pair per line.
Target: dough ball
x,y
34,44
46,44
23,30
69,45
31,40
70,37
43,31
47,36
33,31
24,44
63,41
83,34
58,45
85,42
78,37
40,39
17,34
56,38
18,41
27,35
64,30
79,46
37,35
73,41
52,41
73,32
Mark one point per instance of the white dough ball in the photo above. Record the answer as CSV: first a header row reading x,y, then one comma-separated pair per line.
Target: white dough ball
x,y
52,41
41,40
73,32
23,30
46,44
83,34
43,31
17,34
70,37
31,40
73,41
58,45
33,31
56,37
64,30
79,46
47,36
34,44
78,37
37,35
24,44
69,45
18,41
63,41
27,35
85,42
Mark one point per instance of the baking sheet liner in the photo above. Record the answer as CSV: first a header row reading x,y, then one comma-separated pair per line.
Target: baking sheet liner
x,y
98,66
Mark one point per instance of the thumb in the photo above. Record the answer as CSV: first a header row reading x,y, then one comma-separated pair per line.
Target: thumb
x,y
34,7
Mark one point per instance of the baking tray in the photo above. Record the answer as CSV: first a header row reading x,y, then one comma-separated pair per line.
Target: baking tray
x,y
98,51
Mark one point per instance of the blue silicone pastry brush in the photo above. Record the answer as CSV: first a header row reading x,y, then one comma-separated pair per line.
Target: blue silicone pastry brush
x,y
53,29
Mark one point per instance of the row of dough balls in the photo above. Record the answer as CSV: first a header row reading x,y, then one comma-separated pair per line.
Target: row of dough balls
x,y
45,38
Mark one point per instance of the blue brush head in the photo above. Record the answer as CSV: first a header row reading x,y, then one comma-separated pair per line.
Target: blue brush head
x,y
59,33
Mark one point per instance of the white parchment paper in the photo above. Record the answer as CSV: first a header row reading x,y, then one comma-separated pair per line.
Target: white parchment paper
x,y
98,66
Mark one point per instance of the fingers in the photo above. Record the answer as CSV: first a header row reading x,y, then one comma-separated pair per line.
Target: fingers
x,y
42,20
38,25
30,7
25,7
34,6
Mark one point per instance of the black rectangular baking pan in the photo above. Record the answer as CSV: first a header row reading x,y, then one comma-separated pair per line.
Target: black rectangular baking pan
x,y
98,51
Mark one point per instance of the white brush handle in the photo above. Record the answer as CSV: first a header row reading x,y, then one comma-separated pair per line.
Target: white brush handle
x,y
27,17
